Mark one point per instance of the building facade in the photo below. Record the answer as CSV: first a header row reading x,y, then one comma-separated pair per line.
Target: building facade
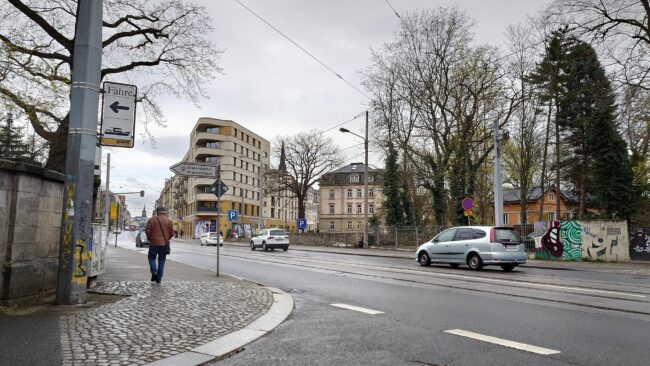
x,y
280,204
242,156
311,209
569,204
341,198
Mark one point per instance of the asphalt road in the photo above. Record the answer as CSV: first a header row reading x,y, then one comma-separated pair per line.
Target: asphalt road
x,y
435,315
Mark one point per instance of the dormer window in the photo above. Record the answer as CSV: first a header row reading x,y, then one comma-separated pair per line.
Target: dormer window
x,y
354,167
354,178
551,197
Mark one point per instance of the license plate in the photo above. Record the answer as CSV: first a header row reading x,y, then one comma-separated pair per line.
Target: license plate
x,y
512,248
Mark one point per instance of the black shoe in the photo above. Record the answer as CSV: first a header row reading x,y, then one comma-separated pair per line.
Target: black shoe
x,y
157,281
154,277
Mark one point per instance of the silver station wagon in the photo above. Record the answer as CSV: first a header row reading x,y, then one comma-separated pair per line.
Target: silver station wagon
x,y
476,246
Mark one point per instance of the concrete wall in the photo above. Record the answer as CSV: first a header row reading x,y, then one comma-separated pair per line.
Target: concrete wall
x,y
30,220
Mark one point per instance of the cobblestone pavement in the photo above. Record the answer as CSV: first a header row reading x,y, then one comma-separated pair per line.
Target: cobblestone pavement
x,y
155,321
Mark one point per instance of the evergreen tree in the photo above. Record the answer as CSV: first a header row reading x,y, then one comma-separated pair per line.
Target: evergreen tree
x,y
12,146
392,205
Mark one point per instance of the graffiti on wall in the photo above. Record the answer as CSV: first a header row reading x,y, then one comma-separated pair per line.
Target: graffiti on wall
x,y
605,240
570,233
640,244
549,245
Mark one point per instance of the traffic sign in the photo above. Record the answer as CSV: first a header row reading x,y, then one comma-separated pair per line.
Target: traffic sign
x,y
232,215
188,169
468,212
219,188
468,204
118,114
301,224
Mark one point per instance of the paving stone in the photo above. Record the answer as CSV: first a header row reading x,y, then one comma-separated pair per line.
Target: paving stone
x,y
158,321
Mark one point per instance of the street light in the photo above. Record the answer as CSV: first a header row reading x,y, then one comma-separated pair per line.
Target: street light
x,y
365,181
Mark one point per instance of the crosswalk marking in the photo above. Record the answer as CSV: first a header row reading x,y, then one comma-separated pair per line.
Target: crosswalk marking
x,y
503,342
356,308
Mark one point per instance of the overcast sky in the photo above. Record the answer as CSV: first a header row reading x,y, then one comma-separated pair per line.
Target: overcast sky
x,y
272,88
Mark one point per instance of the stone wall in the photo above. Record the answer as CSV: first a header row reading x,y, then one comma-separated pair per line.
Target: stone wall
x,y
30,221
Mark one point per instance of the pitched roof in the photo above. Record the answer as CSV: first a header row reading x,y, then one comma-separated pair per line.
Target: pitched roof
x,y
354,168
512,195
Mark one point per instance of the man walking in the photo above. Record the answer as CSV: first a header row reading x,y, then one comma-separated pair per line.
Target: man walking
x,y
159,230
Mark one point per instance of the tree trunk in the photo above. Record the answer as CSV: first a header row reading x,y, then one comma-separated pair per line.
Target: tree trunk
x,y
57,148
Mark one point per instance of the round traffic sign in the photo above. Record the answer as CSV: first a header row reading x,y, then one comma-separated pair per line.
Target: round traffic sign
x,y
468,204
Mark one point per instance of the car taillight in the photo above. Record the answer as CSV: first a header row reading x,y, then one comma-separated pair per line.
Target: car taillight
x,y
493,234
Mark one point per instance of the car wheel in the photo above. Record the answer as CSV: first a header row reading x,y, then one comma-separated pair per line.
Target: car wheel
x,y
285,248
264,246
424,259
507,267
474,262
273,249
454,265
201,243
252,246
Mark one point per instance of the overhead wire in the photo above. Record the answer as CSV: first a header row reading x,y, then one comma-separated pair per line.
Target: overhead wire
x,y
341,124
303,49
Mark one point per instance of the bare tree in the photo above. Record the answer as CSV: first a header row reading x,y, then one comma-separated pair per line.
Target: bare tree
x,y
308,155
620,27
167,38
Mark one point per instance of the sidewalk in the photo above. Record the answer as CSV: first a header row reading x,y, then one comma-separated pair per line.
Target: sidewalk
x,y
192,317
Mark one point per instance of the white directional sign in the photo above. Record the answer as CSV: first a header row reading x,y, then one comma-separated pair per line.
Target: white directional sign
x,y
118,114
188,169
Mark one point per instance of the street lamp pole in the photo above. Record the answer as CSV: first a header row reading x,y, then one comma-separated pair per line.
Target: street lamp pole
x,y
365,180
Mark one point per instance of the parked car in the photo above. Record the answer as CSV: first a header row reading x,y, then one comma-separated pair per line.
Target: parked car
x,y
271,239
141,239
476,246
211,239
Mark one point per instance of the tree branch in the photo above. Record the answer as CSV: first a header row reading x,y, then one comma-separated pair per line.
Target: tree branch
x,y
33,15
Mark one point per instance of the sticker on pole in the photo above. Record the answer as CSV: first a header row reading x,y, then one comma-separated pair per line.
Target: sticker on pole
x,y
118,114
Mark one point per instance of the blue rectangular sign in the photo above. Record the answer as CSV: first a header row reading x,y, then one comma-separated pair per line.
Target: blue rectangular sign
x,y
232,215
301,224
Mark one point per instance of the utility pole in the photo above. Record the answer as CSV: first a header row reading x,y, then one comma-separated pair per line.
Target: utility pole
x,y
218,213
498,195
365,183
261,212
74,256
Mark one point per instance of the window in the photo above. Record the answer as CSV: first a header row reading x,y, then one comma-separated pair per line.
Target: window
x,y
349,225
505,218
349,193
469,234
371,193
359,209
349,208
331,208
212,145
359,195
371,178
358,225
331,225
212,159
331,193
235,149
551,197
549,216
354,178
212,129
371,209
446,235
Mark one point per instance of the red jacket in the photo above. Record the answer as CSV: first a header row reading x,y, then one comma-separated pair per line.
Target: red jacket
x,y
154,233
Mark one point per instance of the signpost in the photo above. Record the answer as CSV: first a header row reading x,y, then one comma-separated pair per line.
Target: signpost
x,y
468,205
118,114
188,169
301,224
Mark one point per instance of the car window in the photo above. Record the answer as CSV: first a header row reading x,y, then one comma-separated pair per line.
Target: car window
x,y
264,232
505,235
446,235
468,234
278,232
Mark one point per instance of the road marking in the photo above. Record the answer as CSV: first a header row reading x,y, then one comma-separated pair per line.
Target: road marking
x,y
356,308
503,342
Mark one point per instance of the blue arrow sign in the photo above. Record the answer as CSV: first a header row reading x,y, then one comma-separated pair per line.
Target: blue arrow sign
x,y
232,215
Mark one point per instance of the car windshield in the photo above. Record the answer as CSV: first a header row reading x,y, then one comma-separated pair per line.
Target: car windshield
x,y
213,235
278,232
503,235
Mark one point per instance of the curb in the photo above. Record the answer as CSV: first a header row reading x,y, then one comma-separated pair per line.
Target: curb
x,y
232,343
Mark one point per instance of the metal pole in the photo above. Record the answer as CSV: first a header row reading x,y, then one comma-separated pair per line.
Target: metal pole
x,y
365,183
261,213
218,213
498,196
107,199
74,256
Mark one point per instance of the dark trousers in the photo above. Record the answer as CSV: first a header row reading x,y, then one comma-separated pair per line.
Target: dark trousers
x,y
157,251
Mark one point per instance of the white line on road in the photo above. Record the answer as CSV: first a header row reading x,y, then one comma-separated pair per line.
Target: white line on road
x,y
356,308
503,342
